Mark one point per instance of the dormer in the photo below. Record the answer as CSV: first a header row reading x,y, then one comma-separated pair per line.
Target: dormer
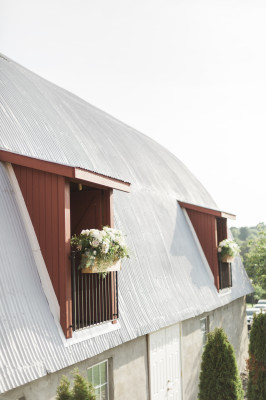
x,y
61,201
210,227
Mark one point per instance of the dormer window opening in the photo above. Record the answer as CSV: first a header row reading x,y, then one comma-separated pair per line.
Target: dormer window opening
x,y
94,296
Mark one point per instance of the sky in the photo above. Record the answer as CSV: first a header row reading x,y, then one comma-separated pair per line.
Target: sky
x,y
188,73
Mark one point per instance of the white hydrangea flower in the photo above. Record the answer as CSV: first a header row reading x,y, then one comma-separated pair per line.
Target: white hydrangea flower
x,y
97,235
105,246
112,236
95,243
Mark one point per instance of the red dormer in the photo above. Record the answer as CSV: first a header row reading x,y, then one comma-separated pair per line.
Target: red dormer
x,y
61,201
211,228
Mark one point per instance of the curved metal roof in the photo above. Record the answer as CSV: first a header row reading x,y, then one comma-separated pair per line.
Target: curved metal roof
x,y
164,282
40,120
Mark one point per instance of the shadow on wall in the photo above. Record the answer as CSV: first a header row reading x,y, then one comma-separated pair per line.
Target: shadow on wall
x,y
187,250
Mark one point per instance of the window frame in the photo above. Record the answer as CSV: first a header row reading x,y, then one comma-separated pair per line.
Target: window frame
x,y
204,332
107,379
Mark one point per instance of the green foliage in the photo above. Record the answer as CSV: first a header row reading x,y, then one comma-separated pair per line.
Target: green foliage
x,y
258,294
252,242
219,378
82,390
245,234
63,391
257,359
255,259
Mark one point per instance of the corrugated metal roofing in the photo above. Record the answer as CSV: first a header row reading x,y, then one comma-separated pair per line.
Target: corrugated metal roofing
x,y
41,120
164,282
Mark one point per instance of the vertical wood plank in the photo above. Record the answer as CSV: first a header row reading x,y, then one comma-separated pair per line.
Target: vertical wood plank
x,y
36,211
108,213
54,231
48,201
67,315
29,191
48,228
42,220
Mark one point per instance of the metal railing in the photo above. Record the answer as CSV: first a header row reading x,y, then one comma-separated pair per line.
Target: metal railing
x,y
94,298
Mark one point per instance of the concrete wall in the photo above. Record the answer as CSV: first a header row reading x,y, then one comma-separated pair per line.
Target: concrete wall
x,y
128,373
128,364
232,318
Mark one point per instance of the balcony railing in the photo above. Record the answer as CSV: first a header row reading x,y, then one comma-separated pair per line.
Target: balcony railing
x,y
94,298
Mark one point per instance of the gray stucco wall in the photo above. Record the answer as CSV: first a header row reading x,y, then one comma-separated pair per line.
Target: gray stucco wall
x,y
232,318
128,364
128,375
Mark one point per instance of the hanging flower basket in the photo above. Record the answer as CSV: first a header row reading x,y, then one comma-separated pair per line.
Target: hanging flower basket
x,y
101,250
99,266
227,250
228,259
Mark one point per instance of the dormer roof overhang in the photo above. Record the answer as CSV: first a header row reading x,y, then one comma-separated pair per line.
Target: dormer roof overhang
x,y
204,210
78,174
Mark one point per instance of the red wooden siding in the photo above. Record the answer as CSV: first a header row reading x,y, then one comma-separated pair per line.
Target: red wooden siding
x,y
45,197
65,264
206,230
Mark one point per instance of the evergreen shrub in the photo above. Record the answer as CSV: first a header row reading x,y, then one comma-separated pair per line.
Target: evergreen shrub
x,y
63,391
219,378
257,359
82,390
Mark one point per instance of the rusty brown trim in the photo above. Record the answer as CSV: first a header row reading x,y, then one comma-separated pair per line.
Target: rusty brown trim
x,y
35,163
205,210
101,180
64,170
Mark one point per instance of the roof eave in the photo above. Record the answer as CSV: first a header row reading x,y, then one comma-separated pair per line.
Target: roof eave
x,y
204,210
71,172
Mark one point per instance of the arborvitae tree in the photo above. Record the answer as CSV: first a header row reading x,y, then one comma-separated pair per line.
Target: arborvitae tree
x,y
257,359
82,390
63,391
219,378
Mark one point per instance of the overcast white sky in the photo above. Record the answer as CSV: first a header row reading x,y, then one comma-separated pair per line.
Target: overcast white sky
x,y
188,73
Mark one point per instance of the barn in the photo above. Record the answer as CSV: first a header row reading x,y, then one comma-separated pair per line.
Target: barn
x,y
139,333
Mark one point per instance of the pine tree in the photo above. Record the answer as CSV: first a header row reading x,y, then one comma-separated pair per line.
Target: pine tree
x,y
219,378
63,391
257,359
82,390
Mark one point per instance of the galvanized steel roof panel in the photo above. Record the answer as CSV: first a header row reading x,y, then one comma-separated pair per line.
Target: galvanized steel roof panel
x,y
41,120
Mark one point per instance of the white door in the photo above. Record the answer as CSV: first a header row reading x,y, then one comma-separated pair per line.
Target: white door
x,y
165,368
